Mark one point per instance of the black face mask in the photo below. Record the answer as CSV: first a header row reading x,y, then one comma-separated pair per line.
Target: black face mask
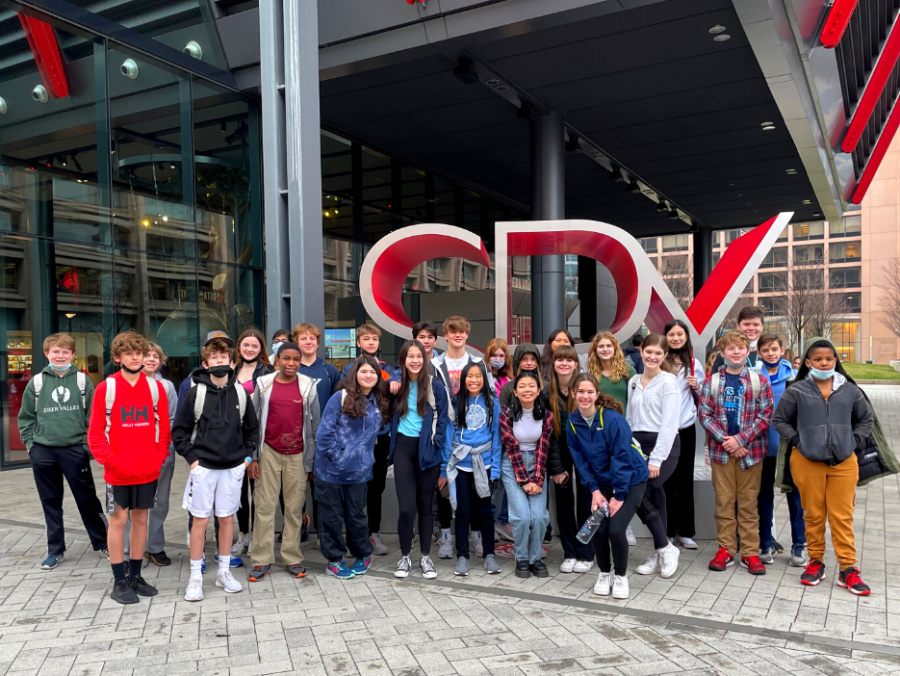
x,y
222,371
250,360
133,371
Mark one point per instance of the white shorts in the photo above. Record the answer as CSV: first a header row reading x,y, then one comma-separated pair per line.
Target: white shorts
x,y
208,487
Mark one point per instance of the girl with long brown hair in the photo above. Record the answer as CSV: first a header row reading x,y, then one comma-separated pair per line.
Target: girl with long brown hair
x,y
497,353
573,501
607,363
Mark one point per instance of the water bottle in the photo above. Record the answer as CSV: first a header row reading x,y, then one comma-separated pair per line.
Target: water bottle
x,y
587,530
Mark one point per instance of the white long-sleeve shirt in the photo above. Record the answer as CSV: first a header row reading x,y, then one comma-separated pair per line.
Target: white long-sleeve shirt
x,y
655,409
688,405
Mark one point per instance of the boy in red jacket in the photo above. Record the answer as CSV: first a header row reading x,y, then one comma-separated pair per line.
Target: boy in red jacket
x,y
129,437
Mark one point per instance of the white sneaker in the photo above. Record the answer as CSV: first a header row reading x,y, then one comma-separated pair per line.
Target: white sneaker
x,y
602,586
651,566
378,546
567,566
403,567
194,590
250,543
226,581
476,545
242,542
669,561
687,543
584,566
629,535
620,587
445,551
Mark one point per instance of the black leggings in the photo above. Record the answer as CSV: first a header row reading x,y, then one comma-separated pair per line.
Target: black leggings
x,y
244,515
680,488
612,531
375,487
415,488
468,504
652,510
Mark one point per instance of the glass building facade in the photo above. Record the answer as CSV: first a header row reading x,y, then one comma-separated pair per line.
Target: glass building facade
x,y
133,202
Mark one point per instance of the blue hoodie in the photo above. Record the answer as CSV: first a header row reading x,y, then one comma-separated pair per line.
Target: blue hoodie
x,y
778,382
345,449
326,378
430,449
476,436
604,455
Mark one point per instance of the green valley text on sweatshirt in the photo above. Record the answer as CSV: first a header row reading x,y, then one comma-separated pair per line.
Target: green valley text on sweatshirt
x,y
58,417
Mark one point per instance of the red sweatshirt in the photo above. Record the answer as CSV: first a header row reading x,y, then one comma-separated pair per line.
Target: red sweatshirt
x,y
131,455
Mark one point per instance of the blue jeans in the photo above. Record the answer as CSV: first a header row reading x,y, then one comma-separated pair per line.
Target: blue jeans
x,y
528,514
766,506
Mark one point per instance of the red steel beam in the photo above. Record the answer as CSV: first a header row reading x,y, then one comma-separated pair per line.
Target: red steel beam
x,y
874,88
45,50
881,148
836,22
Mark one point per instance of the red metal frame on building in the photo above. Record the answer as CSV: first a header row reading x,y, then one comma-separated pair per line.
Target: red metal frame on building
x,y
881,148
837,21
45,49
874,88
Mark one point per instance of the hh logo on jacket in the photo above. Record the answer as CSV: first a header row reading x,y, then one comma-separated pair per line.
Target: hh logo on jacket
x,y
135,416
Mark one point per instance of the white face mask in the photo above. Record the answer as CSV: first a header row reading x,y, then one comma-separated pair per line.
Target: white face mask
x,y
753,344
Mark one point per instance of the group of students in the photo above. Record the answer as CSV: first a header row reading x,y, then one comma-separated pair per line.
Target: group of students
x,y
479,441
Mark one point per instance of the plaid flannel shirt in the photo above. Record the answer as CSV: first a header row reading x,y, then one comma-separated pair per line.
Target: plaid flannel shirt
x,y
511,447
754,416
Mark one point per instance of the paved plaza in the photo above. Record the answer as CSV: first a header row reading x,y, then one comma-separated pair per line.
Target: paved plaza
x,y
698,622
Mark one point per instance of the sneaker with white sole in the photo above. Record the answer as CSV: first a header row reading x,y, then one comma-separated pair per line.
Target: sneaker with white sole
x,y
194,590
567,566
491,565
427,568
687,543
668,561
798,556
225,580
629,535
651,566
603,584
767,554
462,567
403,567
583,566
476,545
243,542
378,546
445,551
52,561
620,587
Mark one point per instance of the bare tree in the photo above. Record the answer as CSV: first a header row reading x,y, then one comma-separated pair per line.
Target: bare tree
x,y
808,309
890,295
677,274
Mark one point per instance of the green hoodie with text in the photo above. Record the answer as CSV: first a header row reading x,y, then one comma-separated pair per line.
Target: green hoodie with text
x,y
58,417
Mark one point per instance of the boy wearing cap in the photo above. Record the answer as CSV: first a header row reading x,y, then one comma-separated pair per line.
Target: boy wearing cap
x,y
216,432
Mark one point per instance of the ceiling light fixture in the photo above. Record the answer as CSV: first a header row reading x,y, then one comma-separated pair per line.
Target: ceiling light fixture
x,y
465,71
493,82
722,38
572,144
662,206
616,175
715,30
807,202
673,214
769,127
633,187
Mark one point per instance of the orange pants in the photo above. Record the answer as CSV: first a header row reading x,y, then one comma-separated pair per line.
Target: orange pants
x,y
828,492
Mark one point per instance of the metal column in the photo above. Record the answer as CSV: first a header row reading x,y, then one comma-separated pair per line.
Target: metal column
x,y
289,83
703,239
548,180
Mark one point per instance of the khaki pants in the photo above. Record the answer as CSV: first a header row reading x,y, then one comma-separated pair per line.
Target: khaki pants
x,y
277,471
827,492
733,484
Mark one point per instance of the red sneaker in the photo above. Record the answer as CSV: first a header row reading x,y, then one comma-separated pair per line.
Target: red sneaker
x,y
850,580
814,573
753,565
722,560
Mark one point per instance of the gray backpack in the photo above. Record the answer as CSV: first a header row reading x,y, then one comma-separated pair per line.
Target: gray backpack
x,y
80,377
715,379
200,400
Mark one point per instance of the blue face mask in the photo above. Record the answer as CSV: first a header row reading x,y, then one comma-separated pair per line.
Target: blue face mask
x,y
61,368
821,375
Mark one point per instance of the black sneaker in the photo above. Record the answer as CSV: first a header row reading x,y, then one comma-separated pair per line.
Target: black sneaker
x,y
141,588
159,558
814,573
523,569
539,569
548,535
123,593
851,581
